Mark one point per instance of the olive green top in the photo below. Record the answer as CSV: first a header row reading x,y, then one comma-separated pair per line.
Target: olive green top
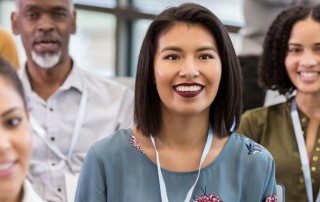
x,y
272,127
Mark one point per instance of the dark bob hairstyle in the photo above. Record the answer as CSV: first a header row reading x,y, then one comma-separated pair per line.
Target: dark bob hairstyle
x,y
272,70
226,108
8,73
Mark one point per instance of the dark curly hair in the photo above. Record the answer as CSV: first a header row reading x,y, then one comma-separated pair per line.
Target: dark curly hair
x,y
272,70
227,105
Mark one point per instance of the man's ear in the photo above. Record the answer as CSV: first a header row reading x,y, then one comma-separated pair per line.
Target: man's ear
x,y
74,22
14,23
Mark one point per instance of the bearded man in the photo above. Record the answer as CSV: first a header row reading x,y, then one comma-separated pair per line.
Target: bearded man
x,y
69,108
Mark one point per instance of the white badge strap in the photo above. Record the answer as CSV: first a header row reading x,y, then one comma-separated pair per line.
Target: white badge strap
x,y
163,191
203,157
302,150
76,132
79,121
42,133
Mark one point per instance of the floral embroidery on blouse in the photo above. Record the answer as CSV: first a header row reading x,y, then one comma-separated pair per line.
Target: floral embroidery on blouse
x,y
253,147
207,198
272,198
135,143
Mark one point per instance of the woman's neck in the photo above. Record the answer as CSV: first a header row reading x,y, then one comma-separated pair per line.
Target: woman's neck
x,y
309,104
182,132
16,198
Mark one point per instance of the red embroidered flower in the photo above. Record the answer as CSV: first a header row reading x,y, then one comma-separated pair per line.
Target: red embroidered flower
x,y
135,143
271,199
210,198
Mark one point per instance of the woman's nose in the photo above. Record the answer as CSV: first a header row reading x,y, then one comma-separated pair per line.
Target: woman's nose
x,y
189,69
4,142
308,59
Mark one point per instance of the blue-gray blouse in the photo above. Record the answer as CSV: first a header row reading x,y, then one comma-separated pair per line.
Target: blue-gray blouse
x,y
117,170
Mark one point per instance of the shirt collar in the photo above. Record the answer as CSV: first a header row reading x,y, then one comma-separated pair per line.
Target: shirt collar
x,y
304,119
74,79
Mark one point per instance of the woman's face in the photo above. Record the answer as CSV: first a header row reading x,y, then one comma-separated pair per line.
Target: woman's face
x,y
303,58
187,69
15,142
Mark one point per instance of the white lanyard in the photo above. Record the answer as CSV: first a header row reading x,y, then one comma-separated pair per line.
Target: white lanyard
x,y
302,151
163,191
76,131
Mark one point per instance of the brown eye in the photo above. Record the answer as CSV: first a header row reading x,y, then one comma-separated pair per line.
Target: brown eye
x,y
13,122
205,57
172,57
294,50
32,15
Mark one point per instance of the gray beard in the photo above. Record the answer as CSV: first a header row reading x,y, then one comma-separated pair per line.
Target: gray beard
x,y
47,60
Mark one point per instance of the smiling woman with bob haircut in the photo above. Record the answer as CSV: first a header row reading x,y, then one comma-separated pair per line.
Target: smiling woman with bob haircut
x,y
187,105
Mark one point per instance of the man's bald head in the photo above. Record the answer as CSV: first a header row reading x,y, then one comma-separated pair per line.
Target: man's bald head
x,y
18,5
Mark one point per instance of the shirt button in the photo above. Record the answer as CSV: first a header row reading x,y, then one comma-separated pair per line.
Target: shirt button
x,y
315,158
313,169
52,138
301,180
51,109
317,149
318,140
53,164
59,189
304,119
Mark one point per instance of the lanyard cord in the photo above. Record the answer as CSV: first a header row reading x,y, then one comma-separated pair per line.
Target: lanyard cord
x,y
163,191
76,131
302,151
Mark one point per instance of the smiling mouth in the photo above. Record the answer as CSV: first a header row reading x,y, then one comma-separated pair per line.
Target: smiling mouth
x,y
192,88
188,91
7,168
309,76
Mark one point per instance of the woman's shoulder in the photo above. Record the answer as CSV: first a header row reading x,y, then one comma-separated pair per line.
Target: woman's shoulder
x,y
250,149
266,110
254,121
114,142
263,112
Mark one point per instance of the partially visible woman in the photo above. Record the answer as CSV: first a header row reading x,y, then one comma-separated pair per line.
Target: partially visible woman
x,y
291,130
15,139
8,48
187,105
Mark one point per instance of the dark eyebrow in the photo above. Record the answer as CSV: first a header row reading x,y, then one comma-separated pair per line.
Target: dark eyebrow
x,y
60,8
206,48
31,7
293,44
12,110
174,48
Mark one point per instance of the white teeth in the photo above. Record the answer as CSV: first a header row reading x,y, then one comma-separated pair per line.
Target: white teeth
x,y
188,88
308,74
5,166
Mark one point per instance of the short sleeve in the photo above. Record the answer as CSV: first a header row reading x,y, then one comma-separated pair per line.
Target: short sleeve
x,y
92,180
270,191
